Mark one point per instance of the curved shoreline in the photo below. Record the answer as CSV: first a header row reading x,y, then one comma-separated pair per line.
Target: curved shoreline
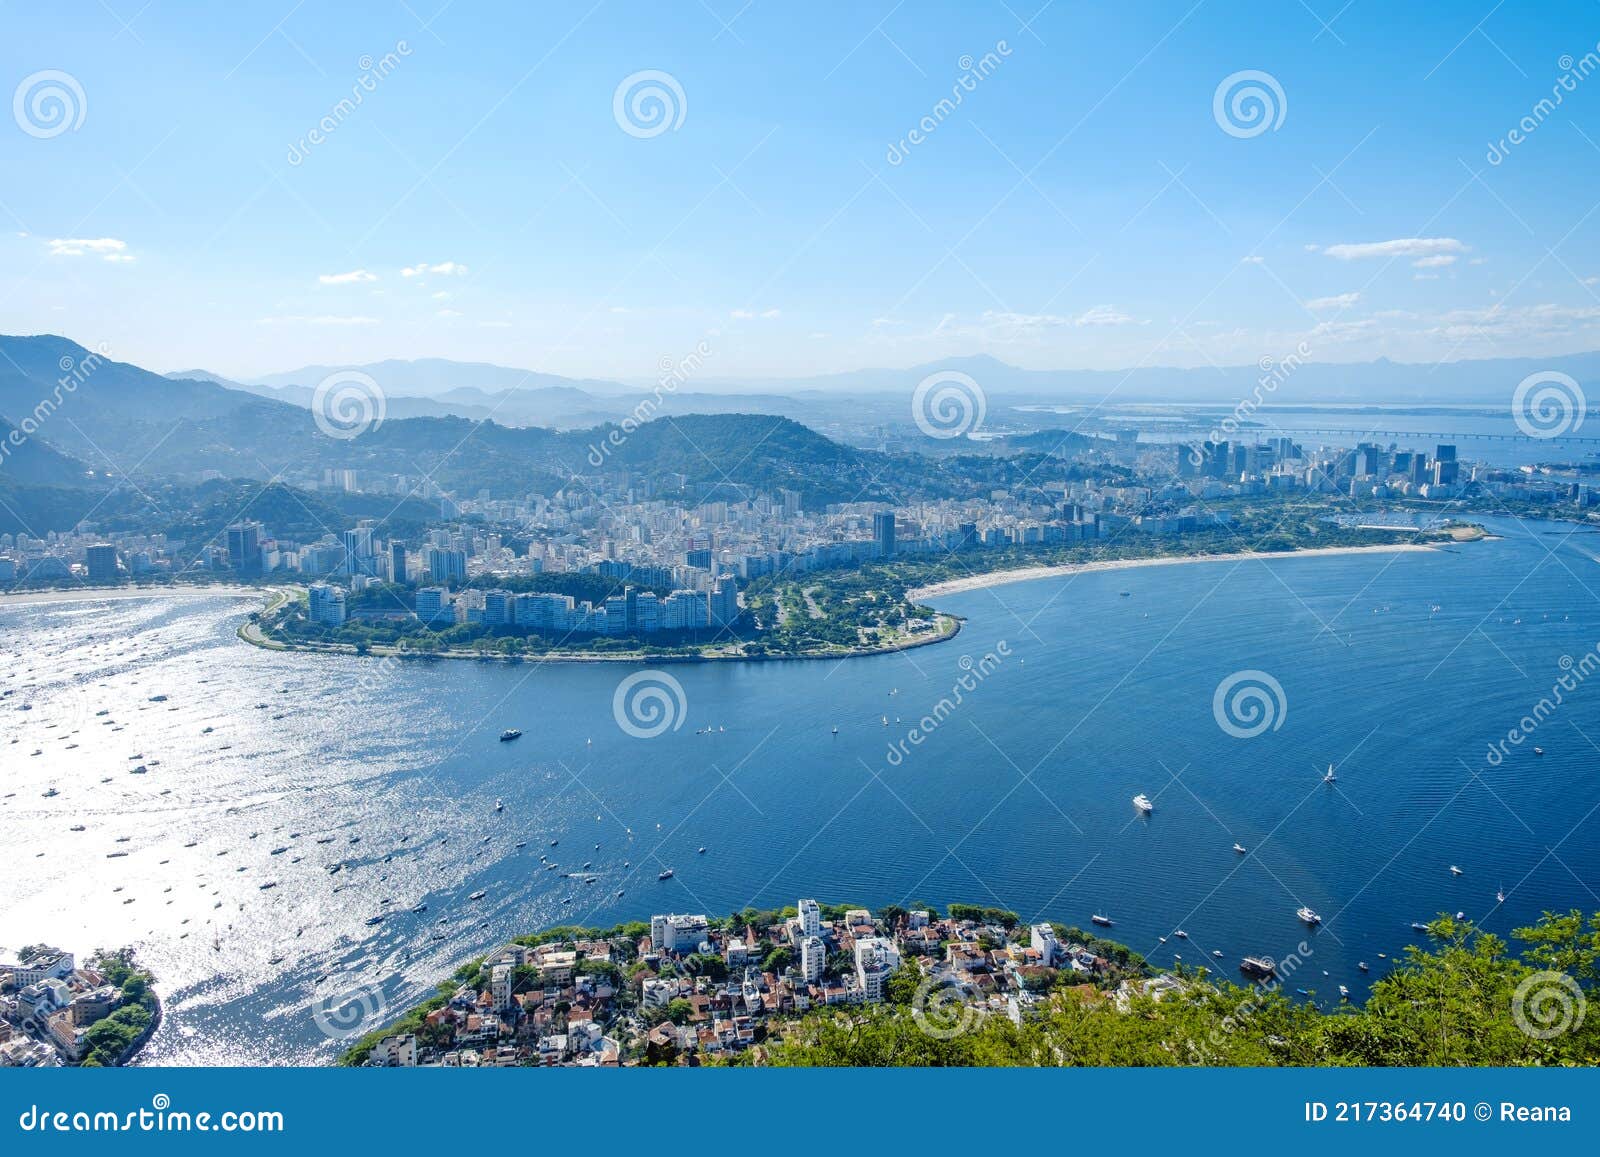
x,y
1027,574
249,632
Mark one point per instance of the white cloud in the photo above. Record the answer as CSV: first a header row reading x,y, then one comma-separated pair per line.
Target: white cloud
x,y
448,313
1401,247
750,314
1104,315
351,278
1338,301
1253,259
105,248
1434,261
443,269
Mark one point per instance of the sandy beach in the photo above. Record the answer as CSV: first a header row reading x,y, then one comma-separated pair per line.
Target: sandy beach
x,y
1023,574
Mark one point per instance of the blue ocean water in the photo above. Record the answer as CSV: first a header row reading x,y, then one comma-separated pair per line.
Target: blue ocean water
x,y
1401,669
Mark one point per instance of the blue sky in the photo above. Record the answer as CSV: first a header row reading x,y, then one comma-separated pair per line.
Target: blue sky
x,y
1081,206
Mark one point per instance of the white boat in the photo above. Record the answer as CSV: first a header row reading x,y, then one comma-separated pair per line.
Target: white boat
x,y
1361,964
1328,776
1142,802
664,874
499,805
1240,848
1344,993
1181,934
1306,914
1103,921
1500,894
1455,871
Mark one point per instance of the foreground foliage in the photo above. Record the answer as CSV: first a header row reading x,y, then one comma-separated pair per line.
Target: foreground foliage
x,y
1464,1000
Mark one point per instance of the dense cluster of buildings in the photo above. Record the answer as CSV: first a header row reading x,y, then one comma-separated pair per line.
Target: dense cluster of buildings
x,y
47,1005
623,522
692,988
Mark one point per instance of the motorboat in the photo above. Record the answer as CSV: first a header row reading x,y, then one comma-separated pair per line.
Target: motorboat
x,y
1142,802
1307,914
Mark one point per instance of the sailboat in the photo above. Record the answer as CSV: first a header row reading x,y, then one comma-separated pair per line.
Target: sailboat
x,y
1500,894
1329,777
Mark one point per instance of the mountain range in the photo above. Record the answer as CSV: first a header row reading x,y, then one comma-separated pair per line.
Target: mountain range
x,y
474,389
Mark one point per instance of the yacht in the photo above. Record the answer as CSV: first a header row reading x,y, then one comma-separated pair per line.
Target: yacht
x,y
1538,751
371,920
664,874
79,828
1500,894
1142,802
50,793
702,851
1344,993
509,734
499,805
1103,921
1261,966
1361,964
1240,848
1181,934
1455,871
836,730
478,895
1418,926
1328,776
1308,915
420,908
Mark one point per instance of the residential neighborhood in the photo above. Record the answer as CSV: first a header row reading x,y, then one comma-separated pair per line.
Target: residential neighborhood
x,y
688,990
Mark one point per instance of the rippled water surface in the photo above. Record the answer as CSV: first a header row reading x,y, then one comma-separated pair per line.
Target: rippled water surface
x,y
264,768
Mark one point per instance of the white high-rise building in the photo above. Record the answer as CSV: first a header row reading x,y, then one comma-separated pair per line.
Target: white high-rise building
x,y
876,960
679,934
813,956
1045,942
810,918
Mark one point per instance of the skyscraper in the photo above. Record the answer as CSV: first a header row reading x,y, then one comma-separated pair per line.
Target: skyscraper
x,y
244,548
883,533
102,562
